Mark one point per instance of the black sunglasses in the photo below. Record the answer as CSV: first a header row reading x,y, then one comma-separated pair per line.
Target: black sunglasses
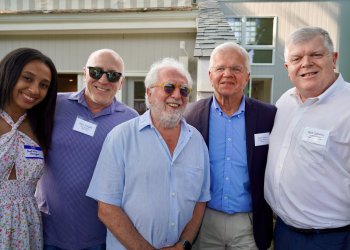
x,y
169,88
97,73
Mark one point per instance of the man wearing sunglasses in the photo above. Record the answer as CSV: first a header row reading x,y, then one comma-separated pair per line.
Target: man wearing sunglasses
x,y
236,129
152,176
82,121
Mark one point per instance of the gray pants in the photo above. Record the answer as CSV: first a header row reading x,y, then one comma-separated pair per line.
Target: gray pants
x,y
221,231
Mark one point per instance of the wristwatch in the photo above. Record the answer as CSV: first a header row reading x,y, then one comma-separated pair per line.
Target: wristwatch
x,y
185,244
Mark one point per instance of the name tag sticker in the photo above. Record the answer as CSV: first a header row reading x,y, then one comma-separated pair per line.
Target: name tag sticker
x,y
315,135
262,139
33,152
85,127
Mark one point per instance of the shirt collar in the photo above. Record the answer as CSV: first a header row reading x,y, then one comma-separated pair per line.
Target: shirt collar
x,y
331,89
116,106
146,121
240,110
337,84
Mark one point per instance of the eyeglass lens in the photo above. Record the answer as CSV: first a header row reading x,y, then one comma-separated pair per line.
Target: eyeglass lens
x,y
97,73
170,87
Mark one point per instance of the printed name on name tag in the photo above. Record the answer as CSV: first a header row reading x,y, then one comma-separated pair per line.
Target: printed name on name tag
x,y
315,135
33,152
262,139
85,127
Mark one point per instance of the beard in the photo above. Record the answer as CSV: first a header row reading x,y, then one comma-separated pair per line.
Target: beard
x,y
170,120
167,119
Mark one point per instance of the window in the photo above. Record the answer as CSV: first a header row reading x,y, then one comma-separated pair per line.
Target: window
x,y
67,83
139,97
256,35
259,88
133,93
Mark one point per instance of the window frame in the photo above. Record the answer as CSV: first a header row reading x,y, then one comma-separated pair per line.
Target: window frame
x,y
250,83
271,47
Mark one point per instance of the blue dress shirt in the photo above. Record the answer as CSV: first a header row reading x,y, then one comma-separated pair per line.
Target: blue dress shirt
x,y
229,185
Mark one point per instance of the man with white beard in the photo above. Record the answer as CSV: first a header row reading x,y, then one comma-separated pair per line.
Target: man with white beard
x,y
152,177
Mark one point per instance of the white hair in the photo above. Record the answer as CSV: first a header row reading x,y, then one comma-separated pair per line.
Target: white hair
x,y
152,76
230,46
306,34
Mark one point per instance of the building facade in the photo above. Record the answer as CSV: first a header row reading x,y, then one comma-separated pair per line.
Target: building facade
x,y
143,31
69,30
262,27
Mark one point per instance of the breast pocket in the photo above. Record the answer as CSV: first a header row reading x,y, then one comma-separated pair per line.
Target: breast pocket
x,y
191,182
310,153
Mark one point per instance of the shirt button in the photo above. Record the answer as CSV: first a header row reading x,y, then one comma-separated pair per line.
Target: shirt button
x,y
228,158
229,139
225,197
172,194
172,224
226,178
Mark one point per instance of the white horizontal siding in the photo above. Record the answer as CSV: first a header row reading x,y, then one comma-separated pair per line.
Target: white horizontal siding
x,y
70,53
32,5
332,15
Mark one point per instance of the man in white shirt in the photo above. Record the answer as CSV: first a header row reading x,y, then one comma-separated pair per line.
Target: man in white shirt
x,y
307,180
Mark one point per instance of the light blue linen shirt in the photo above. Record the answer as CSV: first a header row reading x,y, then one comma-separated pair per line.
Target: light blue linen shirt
x,y
230,186
157,190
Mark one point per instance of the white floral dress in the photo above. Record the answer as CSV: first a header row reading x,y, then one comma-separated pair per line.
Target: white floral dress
x,y
20,221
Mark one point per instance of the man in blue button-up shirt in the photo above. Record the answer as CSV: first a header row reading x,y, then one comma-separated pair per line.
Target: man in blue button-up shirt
x,y
152,176
236,129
